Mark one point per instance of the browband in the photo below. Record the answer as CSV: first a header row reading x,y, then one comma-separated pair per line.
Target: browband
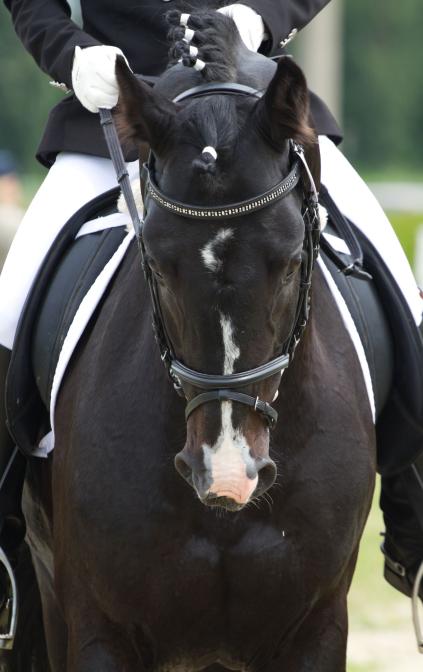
x,y
222,212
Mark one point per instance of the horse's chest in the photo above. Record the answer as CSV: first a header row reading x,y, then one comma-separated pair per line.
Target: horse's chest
x,y
203,594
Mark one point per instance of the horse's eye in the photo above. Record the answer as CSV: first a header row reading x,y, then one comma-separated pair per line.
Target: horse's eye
x,y
291,274
292,269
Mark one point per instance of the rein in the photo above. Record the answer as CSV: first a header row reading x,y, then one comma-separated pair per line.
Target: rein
x,y
221,387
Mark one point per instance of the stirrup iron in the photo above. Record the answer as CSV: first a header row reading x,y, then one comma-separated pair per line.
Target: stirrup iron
x,y
11,606
415,609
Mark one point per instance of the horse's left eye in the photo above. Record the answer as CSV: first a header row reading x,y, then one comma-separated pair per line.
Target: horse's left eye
x,y
292,269
291,273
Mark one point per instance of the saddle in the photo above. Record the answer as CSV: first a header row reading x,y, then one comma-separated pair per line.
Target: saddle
x,y
392,343
69,270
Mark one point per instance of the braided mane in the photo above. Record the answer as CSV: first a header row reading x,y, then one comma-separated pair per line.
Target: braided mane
x,y
206,41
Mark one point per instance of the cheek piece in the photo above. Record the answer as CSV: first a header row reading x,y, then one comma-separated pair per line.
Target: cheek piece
x,y
223,387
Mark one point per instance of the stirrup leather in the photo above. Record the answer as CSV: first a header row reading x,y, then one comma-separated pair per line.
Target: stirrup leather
x,y
415,603
11,606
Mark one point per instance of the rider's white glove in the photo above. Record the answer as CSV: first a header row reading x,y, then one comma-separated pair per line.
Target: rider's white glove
x,y
250,24
93,77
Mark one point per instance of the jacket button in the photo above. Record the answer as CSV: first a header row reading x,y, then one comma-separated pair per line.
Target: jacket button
x,y
289,38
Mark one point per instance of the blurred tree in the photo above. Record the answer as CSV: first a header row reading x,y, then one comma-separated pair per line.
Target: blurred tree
x,y
383,97
25,95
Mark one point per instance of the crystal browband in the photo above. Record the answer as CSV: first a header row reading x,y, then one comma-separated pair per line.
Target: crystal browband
x,y
224,212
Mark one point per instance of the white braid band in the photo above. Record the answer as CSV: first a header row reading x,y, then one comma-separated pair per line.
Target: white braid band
x,y
184,19
193,51
211,151
189,34
199,65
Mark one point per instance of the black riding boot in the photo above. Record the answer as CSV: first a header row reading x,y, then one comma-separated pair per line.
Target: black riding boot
x,y
402,505
12,526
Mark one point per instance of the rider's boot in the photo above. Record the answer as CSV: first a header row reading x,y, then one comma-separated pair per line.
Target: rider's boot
x,y
12,526
402,505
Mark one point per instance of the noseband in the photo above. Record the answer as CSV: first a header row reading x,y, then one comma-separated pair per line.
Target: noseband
x,y
225,387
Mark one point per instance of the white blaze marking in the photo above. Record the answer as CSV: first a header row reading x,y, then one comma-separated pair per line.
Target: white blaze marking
x,y
231,349
229,460
211,262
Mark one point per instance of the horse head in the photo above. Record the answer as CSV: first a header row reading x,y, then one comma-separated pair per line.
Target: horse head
x,y
228,287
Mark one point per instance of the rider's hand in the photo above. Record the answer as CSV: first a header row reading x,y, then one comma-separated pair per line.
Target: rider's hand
x,y
250,24
93,77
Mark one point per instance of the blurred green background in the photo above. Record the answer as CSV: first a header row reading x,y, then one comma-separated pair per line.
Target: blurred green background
x,y
379,60
375,65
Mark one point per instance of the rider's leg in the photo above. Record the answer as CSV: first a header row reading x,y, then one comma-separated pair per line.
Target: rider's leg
x,y
12,466
402,505
402,494
73,180
357,203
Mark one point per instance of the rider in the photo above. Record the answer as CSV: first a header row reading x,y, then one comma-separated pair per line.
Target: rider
x,y
74,150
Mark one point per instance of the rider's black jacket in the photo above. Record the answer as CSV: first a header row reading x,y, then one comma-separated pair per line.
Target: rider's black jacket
x,y
139,29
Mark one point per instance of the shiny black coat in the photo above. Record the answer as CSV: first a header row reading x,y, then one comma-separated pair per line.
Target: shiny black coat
x,y
139,29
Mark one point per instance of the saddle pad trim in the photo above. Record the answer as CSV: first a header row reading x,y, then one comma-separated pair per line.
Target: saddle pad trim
x,y
83,315
26,413
353,333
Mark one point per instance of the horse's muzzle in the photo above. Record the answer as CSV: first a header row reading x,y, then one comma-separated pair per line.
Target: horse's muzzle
x,y
230,490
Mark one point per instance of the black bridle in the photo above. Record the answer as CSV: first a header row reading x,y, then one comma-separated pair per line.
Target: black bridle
x,y
223,387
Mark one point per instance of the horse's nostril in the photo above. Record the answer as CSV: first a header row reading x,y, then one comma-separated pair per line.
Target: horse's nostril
x,y
183,468
267,473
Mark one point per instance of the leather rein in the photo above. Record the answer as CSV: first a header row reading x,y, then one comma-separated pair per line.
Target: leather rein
x,y
222,387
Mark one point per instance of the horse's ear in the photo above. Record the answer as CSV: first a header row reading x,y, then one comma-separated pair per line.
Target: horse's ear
x,y
142,114
283,112
312,155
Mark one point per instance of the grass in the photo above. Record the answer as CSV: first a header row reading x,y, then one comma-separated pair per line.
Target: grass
x,y
393,174
381,633
406,226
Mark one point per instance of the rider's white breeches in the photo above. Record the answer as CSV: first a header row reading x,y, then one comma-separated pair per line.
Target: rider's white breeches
x,y
75,179
357,203
72,181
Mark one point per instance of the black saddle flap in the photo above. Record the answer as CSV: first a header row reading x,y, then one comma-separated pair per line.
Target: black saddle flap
x,y
78,269
399,427
27,415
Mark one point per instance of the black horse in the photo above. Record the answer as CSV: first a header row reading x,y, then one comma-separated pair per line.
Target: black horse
x,y
139,568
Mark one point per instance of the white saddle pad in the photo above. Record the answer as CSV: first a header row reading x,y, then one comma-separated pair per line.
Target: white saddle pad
x,y
80,321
